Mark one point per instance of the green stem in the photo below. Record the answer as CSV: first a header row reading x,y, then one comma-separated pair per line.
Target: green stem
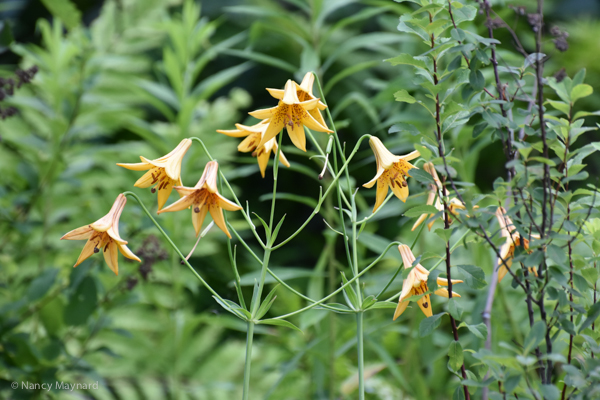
x,y
247,365
206,285
364,271
322,198
400,266
361,355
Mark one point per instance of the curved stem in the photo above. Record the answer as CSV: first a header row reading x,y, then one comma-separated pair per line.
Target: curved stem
x,y
173,245
322,198
350,281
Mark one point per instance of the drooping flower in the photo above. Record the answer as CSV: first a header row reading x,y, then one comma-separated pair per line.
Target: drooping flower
x,y
164,172
435,190
204,198
304,92
513,239
253,135
416,284
104,235
292,114
391,171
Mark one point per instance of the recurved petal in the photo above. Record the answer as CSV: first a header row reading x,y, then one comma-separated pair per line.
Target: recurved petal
x,y
307,82
275,126
407,287
282,158
114,234
163,194
111,256
296,133
173,167
249,144
444,293
179,205
80,233
419,221
444,281
226,204
311,123
400,191
184,190
411,156
290,94
309,104
217,216
198,218
400,308
136,166
316,114
276,93
380,194
87,251
263,160
370,184
385,159
264,112
148,179
128,253
234,132
425,305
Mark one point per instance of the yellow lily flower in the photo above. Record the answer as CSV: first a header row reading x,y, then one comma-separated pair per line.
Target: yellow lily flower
x,y
304,92
253,135
292,114
513,239
204,198
164,172
434,194
391,171
416,284
104,234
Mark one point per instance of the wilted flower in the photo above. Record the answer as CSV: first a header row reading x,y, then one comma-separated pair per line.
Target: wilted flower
x,y
513,239
434,196
415,284
204,198
391,171
291,113
104,235
253,135
165,172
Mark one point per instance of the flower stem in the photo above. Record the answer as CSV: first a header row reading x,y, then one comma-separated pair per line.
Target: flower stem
x,y
247,365
173,245
361,355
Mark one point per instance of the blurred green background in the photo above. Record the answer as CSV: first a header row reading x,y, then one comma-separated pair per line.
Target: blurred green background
x,y
123,78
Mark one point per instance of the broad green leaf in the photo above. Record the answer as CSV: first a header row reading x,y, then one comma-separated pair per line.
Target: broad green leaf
x,y
455,355
421,176
455,308
407,59
592,315
580,91
560,106
40,285
404,96
534,337
81,303
429,324
64,10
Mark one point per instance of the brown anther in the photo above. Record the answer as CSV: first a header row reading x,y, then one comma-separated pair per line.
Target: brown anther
x,y
197,209
96,250
153,190
404,184
425,305
392,183
155,178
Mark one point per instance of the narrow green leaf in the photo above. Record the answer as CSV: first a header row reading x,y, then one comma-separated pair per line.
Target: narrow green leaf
x,y
64,10
592,315
534,337
418,210
280,322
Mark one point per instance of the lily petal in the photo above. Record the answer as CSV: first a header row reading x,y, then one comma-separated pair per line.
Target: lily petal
x,y
81,233
111,256
217,216
400,308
